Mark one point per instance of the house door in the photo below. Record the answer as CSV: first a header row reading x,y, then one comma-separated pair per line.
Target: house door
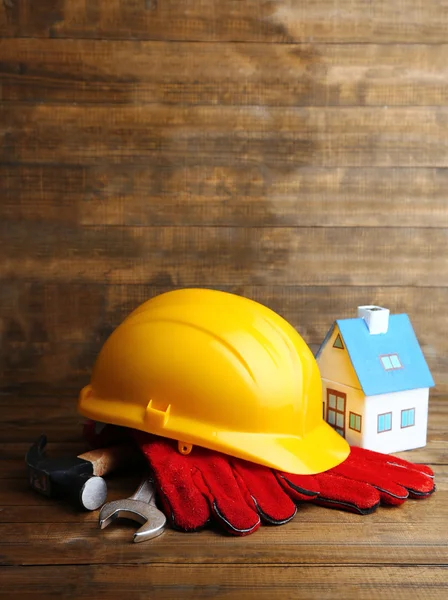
x,y
336,410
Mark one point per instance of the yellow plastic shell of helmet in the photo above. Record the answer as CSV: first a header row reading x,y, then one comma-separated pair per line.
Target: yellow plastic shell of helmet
x,y
218,370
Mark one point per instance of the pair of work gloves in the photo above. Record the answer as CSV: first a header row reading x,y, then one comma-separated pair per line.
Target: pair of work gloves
x,y
205,486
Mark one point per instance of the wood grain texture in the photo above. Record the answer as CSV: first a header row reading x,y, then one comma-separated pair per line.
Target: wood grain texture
x,y
266,582
278,137
198,195
197,73
190,256
252,20
301,543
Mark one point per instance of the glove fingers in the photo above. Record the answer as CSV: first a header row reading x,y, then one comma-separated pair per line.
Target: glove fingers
x,y
418,485
301,488
423,469
344,494
183,504
376,457
390,491
214,476
391,479
261,486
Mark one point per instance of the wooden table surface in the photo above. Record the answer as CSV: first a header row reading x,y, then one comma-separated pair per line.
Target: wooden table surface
x,y
292,152
48,548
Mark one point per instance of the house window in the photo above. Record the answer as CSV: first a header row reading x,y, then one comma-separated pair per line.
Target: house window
x,y
354,421
390,362
408,417
384,422
336,410
338,343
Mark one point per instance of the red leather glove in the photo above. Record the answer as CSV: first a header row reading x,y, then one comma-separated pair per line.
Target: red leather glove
x,y
204,485
239,495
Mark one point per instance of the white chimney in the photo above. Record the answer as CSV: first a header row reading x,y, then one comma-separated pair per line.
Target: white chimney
x,y
375,317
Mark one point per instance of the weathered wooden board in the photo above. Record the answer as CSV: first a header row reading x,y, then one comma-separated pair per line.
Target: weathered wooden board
x,y
249,195
222,582
249,20
277,137
197,73
192,256
300,543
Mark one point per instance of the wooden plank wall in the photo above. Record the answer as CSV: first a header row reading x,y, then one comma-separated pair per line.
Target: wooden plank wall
x,y
294,152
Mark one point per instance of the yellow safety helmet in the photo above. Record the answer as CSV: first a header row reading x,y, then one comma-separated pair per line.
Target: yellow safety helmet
x,y
218,370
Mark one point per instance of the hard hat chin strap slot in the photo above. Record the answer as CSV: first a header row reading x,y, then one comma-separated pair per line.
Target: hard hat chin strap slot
x,y
184,448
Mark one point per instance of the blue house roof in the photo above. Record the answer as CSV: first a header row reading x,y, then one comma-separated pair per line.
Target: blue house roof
x,y
365,350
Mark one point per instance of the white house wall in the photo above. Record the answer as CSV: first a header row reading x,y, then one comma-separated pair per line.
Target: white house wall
x,y
398,438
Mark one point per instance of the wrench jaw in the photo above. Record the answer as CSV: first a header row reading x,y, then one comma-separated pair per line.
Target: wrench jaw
x,y
115,510
151,529
151,518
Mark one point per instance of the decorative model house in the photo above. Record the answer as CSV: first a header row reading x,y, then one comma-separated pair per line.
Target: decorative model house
x,y
375,381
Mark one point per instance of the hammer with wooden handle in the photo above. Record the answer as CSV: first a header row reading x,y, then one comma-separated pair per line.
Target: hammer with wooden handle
x,y
79,478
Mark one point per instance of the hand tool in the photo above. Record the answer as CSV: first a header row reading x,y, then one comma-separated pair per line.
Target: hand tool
x,y
140,507
77,478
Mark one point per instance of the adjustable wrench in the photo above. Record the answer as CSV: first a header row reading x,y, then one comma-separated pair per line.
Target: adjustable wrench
x,y
140,507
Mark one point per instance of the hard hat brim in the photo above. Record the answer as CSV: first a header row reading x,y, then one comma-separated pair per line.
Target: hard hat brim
x,y
319,450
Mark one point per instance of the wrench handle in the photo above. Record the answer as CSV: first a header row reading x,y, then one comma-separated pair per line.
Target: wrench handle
x,y
145,492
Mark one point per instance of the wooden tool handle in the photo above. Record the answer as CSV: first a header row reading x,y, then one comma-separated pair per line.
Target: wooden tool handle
x,y
107,460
